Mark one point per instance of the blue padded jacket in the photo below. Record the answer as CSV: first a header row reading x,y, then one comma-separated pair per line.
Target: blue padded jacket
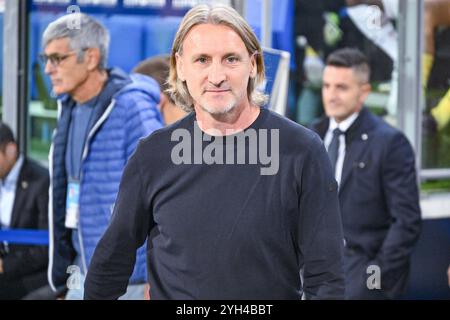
x,y
126,111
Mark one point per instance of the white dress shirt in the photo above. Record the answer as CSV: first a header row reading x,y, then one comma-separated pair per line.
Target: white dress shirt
x,y
343,126
8,193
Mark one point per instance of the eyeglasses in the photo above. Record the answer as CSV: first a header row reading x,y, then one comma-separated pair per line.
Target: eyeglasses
x,y
55,58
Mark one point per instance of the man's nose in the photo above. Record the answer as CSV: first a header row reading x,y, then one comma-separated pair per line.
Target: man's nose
x,y
49,67
216,74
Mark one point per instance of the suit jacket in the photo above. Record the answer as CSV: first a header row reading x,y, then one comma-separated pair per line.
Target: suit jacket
x,y
29,212
379,203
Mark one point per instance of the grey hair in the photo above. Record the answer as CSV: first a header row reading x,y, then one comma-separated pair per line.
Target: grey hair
x,y
89,33
217,15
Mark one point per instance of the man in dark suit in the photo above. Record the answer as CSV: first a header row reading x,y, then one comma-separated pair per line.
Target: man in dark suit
x,y
23,205
375,168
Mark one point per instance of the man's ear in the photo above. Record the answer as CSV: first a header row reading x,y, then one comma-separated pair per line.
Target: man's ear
x,y
180,67
11,150
92,57
366,88
254,66
162,101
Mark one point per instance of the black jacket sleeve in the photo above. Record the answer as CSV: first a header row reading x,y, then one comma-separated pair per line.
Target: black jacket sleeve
x,y
320,235
115,255
402,199
26,260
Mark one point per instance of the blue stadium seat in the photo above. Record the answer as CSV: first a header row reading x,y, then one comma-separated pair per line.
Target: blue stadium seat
x,y
127,42
1,53
33,52
282,23
159,35
39,22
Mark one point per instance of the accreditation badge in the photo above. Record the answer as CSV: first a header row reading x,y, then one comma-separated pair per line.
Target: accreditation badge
x,y
72,205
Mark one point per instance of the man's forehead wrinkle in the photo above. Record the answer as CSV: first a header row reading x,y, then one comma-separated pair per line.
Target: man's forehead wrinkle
x,y
195,40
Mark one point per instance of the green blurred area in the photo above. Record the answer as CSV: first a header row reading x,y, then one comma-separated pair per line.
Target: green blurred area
x,y
39,150
435,186
435,143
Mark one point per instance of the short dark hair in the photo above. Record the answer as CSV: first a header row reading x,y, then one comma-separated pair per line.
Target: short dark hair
x,y
6,135
350,58
158,68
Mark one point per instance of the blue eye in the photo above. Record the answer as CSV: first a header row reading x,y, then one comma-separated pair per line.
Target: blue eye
x,y
232,59
202,60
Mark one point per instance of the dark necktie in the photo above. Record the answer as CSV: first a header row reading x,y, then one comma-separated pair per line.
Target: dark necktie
x,y
333,148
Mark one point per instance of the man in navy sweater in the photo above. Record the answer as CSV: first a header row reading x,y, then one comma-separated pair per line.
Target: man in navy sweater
x,y
239,203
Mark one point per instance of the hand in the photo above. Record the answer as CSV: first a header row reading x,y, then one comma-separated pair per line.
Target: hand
x,y
147,292
1,266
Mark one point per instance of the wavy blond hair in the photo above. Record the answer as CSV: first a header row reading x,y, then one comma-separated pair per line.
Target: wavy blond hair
x,y
217,15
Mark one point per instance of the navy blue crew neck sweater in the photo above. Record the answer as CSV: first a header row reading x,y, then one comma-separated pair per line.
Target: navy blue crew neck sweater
x,y
224,230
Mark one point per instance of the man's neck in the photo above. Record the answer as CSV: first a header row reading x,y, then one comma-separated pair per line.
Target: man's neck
x,y
344,124
238,119
91,87
171,113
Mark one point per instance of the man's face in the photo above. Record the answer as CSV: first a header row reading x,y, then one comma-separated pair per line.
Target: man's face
x,y
7,158
216,67
68,75
342,92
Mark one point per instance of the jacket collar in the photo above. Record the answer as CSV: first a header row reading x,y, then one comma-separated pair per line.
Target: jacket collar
x,y
364,122
356,137
356,140
22,185
117,80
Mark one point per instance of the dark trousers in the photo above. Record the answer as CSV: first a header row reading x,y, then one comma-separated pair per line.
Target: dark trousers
x,y
46,293
356,276
14,288
11,289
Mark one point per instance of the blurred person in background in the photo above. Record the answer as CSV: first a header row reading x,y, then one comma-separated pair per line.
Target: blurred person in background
x,y
374,165
158,69
23,205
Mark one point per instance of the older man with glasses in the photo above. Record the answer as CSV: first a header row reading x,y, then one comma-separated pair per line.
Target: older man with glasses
x,y
103,114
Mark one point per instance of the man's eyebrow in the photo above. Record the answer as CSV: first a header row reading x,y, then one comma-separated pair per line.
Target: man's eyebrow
x,y
339,85
226,55
199,55
232,54
55,53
